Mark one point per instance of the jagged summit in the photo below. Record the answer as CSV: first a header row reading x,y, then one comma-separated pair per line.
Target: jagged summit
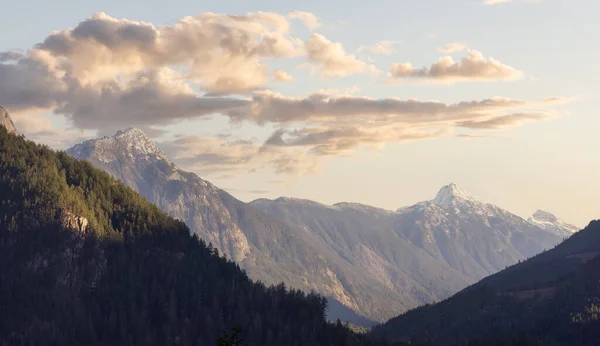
x,y
542,215
6,121
549,222
450,194
131,142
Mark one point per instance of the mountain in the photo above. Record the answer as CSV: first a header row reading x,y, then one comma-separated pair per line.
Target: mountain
x,y
86,260
552,298
475,238
424,251
376,262
365,238
551,223
269,249
6,121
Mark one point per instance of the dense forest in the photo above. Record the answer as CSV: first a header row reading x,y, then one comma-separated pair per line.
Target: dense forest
x,y
551,299
87,261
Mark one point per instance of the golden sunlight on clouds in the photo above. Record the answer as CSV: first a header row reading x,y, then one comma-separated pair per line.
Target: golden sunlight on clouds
x,y
472,68
108,73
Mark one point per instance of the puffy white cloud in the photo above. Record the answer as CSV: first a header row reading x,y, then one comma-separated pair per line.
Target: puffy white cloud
x,y
309,19
381,48
474,67
333,59
108,73
282,76
452,47
222,53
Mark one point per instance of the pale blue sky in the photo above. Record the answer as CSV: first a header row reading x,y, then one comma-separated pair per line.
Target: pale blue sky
x,y
550,164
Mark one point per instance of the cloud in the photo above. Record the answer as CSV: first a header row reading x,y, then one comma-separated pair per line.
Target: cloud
x,y
332,141
452,47
321,108
11,56
154,97
381,48
282,76
40,129
309,19
504,121
30,82
474,67
213,155
221,53
106,74
332,59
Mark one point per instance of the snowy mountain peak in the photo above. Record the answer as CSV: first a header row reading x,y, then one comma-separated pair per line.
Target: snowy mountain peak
x,y
450,194
131,142
6,121
551,223
542,215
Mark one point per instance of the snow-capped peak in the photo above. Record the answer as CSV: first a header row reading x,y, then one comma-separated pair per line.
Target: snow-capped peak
x,y
542,215
450,194
551,223
132,142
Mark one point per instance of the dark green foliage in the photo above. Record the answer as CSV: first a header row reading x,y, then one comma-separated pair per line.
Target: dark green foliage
x,y
552,299
234,340
133,276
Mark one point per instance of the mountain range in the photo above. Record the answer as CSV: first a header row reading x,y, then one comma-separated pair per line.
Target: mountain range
x,y
553,298
375,262
87,261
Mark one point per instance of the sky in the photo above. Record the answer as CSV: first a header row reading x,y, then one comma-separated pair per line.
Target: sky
x,y
379,103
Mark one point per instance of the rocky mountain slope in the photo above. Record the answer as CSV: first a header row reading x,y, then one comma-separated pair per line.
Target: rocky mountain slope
x,y
374,261
552,298
269,249
423,252
6,121
551,223
87,260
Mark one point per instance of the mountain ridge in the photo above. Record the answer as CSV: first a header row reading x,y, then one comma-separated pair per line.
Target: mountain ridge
x,y
375,264
551,297
86,259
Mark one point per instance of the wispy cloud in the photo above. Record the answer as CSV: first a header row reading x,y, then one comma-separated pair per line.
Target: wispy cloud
x,y
452,47
381,48
310,20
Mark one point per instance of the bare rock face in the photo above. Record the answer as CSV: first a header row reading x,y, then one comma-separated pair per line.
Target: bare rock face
x,y
72,221
6,121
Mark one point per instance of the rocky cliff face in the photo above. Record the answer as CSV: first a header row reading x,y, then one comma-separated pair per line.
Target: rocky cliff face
x,y
6,121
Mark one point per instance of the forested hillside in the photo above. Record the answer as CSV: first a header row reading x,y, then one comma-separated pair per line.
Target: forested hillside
x,y
551,299
85,260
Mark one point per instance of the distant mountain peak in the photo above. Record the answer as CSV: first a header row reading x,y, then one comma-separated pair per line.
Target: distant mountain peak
x,y
132,142
542,215
130,131
6,121
549,222
450,194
